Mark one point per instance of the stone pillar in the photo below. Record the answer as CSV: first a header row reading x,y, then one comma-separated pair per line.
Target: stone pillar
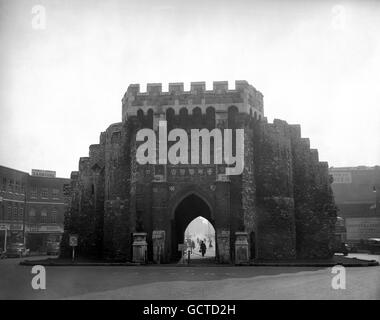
x,y
158,237
223,245
139,247
223,220
241,248
160,219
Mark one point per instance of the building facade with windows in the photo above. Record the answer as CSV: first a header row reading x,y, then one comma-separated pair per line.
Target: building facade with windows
x,y
31,207
12,205
356,191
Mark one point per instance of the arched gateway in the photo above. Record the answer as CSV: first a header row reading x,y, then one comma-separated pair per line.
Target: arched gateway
x,y
189,208
120,205
185,202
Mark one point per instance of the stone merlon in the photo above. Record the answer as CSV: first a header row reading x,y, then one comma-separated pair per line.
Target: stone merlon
x,y
244,96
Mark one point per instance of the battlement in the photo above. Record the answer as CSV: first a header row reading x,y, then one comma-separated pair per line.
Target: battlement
x,y
176,87
244,96
195,88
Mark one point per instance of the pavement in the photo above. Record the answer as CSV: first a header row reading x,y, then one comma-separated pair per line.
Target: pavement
x,y
171,282
197,258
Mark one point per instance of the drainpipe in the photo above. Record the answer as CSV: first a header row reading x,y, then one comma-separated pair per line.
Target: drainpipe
x,y
24,216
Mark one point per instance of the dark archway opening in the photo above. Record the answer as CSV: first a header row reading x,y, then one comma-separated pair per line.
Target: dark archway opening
x,y
187,210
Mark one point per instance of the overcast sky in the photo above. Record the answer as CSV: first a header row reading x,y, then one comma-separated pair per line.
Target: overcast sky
x,y
316,62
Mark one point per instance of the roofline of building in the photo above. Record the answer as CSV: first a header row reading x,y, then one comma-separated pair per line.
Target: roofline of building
x,y
41,177
5,167
30,175
354,168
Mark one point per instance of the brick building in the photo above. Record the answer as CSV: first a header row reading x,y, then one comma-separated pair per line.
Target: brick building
x,y
356,191
32,207
282,189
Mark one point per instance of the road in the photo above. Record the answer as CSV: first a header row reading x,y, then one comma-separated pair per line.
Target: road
x,y
173,282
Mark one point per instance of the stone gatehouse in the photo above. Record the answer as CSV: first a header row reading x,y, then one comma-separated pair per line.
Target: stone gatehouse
x,y
282,200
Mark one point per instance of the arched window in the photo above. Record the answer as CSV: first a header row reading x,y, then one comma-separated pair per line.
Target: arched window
x,y
197,118
210,118
233,124
183,117
170,118
149,119
140,116
115,137
232,117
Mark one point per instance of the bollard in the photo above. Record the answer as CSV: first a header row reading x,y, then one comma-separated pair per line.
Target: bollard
x,y
188,257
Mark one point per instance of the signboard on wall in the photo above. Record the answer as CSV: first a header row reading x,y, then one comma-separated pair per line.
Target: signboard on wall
x,y
363,228
43,173
35,228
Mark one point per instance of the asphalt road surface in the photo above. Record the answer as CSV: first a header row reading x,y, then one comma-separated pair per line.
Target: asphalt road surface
x,y
173,282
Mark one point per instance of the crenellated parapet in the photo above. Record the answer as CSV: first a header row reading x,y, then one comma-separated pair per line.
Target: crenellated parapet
x,y
244,97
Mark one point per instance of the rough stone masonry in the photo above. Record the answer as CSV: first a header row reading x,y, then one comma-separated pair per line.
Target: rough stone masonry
x,y
282,200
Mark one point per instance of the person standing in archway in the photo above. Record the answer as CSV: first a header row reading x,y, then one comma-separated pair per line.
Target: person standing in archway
x,y
202,248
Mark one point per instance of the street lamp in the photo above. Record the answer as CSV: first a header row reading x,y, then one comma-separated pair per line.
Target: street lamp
x,y
374,190
23,218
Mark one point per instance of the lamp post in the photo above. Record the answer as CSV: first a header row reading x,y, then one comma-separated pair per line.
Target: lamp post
x,y
24,218
374,190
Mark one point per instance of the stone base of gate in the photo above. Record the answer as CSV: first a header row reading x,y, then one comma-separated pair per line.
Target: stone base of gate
x,y
241,248
158,237
140,247
223,246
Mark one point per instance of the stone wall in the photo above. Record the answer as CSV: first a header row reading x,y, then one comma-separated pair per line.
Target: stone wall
x,y
119,219
315,210
274,194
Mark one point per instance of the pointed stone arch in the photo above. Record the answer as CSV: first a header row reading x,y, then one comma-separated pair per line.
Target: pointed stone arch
x,y
187,206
